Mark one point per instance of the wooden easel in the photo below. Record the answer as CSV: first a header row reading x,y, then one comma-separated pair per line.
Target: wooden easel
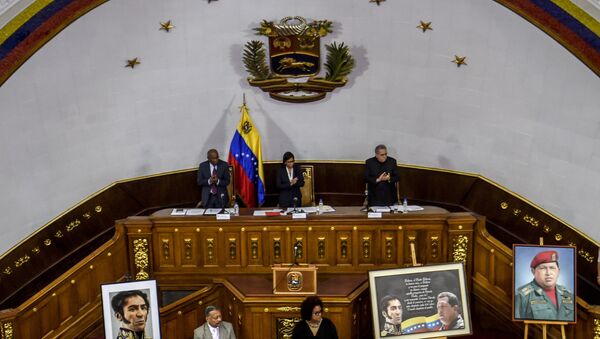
x,y
544,328
544,323
413,254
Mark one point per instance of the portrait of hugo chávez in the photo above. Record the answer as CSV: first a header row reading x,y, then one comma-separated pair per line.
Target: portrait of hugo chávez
x,y
544,278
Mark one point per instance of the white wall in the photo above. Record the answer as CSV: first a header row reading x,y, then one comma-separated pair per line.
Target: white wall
x,y
524,112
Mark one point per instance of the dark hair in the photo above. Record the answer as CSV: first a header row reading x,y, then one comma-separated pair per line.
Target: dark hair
x,y
380,146
452,299
385,301
209,309
307,306
287,156
118,301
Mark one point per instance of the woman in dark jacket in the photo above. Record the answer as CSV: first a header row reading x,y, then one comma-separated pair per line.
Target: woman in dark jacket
x,y
313,325
289,181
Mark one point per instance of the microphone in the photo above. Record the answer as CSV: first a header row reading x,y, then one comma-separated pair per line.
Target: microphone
x,y
296,248
223,204
295,204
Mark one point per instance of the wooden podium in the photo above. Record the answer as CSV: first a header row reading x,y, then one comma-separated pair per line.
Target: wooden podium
x,y
294,279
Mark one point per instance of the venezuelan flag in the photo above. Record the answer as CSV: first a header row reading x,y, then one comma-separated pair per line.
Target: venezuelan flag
x,y
245,156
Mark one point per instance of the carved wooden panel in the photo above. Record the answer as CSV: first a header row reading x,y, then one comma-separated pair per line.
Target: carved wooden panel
x,y
367,252
322,246
210,246
188,249
232,249
254,248
299,237
344,248
389,247
165,249
434,247
277,244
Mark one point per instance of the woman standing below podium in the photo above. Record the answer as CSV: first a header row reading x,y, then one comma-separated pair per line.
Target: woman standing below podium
x,y
289,181
313,325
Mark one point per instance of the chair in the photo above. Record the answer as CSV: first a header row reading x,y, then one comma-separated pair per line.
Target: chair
x,y
308,190
366,201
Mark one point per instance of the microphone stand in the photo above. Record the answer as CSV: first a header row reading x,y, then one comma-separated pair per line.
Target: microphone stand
x,y
295,203
223,209
296,247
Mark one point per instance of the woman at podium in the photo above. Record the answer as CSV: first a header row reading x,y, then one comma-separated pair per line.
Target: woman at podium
x,y
289,181
313,324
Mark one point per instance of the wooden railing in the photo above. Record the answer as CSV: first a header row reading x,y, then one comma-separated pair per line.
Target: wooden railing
x,y
71,303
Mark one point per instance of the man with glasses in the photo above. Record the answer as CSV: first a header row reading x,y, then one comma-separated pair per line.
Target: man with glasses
x,y
381,175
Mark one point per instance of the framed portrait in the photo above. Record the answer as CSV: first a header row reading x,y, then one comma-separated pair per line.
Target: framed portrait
x,y
420,302
131,307
544,285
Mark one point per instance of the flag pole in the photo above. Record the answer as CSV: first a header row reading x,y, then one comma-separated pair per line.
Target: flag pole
x,y
244,99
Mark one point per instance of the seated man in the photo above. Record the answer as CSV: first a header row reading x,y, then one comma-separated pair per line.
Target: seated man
x,y
381,175
213,178
214,327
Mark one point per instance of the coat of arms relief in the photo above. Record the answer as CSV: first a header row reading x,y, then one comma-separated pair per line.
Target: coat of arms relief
x,y
292,71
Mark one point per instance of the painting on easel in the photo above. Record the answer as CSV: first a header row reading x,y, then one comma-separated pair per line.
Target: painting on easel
x,y
420,302
544,283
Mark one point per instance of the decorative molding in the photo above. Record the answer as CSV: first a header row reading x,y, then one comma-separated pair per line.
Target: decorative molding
x,y
141,258
459,248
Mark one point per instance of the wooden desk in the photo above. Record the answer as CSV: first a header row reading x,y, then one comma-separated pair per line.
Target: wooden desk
x,y
262,314
191,249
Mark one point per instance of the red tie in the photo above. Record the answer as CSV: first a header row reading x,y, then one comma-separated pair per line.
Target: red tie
x,y
213,187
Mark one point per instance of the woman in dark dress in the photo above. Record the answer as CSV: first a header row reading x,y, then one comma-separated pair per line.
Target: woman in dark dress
x,y
313,325
289,181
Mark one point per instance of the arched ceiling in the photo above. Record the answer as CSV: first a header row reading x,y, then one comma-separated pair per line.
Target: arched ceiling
x,y
39,22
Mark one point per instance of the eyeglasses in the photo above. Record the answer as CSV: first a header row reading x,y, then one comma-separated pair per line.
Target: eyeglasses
x,y
317,313
290,161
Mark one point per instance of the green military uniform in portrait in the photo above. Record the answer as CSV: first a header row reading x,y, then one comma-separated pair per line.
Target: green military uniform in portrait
x,y
532,302
391,329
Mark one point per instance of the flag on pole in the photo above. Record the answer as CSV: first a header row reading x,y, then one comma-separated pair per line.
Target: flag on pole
x,y
245,156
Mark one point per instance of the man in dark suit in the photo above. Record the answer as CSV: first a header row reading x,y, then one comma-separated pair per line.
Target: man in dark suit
x,y
381,175
213,178
289,181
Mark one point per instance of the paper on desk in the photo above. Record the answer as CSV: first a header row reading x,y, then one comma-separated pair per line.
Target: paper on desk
x,y
383,209
178,211
327,209
409,208
195,211
263,213
212,211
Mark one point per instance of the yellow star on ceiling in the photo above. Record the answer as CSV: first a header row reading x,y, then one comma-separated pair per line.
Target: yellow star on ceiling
x,y
459,60
133,62
425,26
377,1
166,26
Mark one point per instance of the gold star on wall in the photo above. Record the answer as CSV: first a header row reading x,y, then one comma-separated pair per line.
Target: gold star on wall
x,y
425,26
377,1
133,62
459,60
166,26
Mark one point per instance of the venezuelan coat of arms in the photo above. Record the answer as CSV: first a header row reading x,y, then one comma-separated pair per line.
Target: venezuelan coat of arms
x,y
292,71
